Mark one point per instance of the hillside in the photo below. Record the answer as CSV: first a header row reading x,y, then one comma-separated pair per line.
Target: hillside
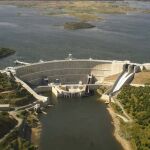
x,y
136,102
6,123
12,93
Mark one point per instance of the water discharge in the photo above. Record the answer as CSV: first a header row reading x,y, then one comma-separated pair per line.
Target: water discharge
x,y
122,80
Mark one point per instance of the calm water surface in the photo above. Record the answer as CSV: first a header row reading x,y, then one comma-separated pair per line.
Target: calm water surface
x,y
37,37
78,124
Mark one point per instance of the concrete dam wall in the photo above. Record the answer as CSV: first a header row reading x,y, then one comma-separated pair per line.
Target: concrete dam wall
x,y
69,71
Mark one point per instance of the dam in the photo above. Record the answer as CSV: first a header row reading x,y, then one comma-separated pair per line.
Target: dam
x,y
72,77
68,71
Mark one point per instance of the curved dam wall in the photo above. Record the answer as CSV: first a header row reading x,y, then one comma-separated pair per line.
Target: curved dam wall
x,y
69,71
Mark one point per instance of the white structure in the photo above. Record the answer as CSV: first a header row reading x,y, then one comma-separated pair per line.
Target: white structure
x,y
69,71
4,107
68,91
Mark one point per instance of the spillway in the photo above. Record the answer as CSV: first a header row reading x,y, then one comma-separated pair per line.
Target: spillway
x,y
126,77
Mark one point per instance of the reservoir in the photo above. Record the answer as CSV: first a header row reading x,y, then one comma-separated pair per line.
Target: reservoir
x,y
35,37
78,123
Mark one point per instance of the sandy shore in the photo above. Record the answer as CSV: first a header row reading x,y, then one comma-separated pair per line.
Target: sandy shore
x,y
125,144
116,122
35,136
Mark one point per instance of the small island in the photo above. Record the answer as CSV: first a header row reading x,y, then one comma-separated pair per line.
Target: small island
x,y
4,52
77,25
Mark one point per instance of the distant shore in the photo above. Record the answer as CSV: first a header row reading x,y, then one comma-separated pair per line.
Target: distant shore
x,y
81,10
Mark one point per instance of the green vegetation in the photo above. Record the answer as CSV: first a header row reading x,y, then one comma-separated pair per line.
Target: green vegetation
x,y
15,142
32,120
12,93
6,123
20,144
6,83
19,138
77,25
136,101
8,140
30,117
117,108
101,90
19,97
6,52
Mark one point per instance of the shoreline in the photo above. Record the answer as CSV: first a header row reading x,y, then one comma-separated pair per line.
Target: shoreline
x,y
36,131
116,123
36,134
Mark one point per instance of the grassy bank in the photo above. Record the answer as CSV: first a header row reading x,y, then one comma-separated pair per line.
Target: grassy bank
x,y
17,134
20,137
125,143
114,111
6,83
132,119
6,123
15,142
12,93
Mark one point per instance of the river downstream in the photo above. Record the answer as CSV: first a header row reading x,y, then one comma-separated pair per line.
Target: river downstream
x,y
78,123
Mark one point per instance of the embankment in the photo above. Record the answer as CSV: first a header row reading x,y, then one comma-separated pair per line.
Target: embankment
x,y
116,122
